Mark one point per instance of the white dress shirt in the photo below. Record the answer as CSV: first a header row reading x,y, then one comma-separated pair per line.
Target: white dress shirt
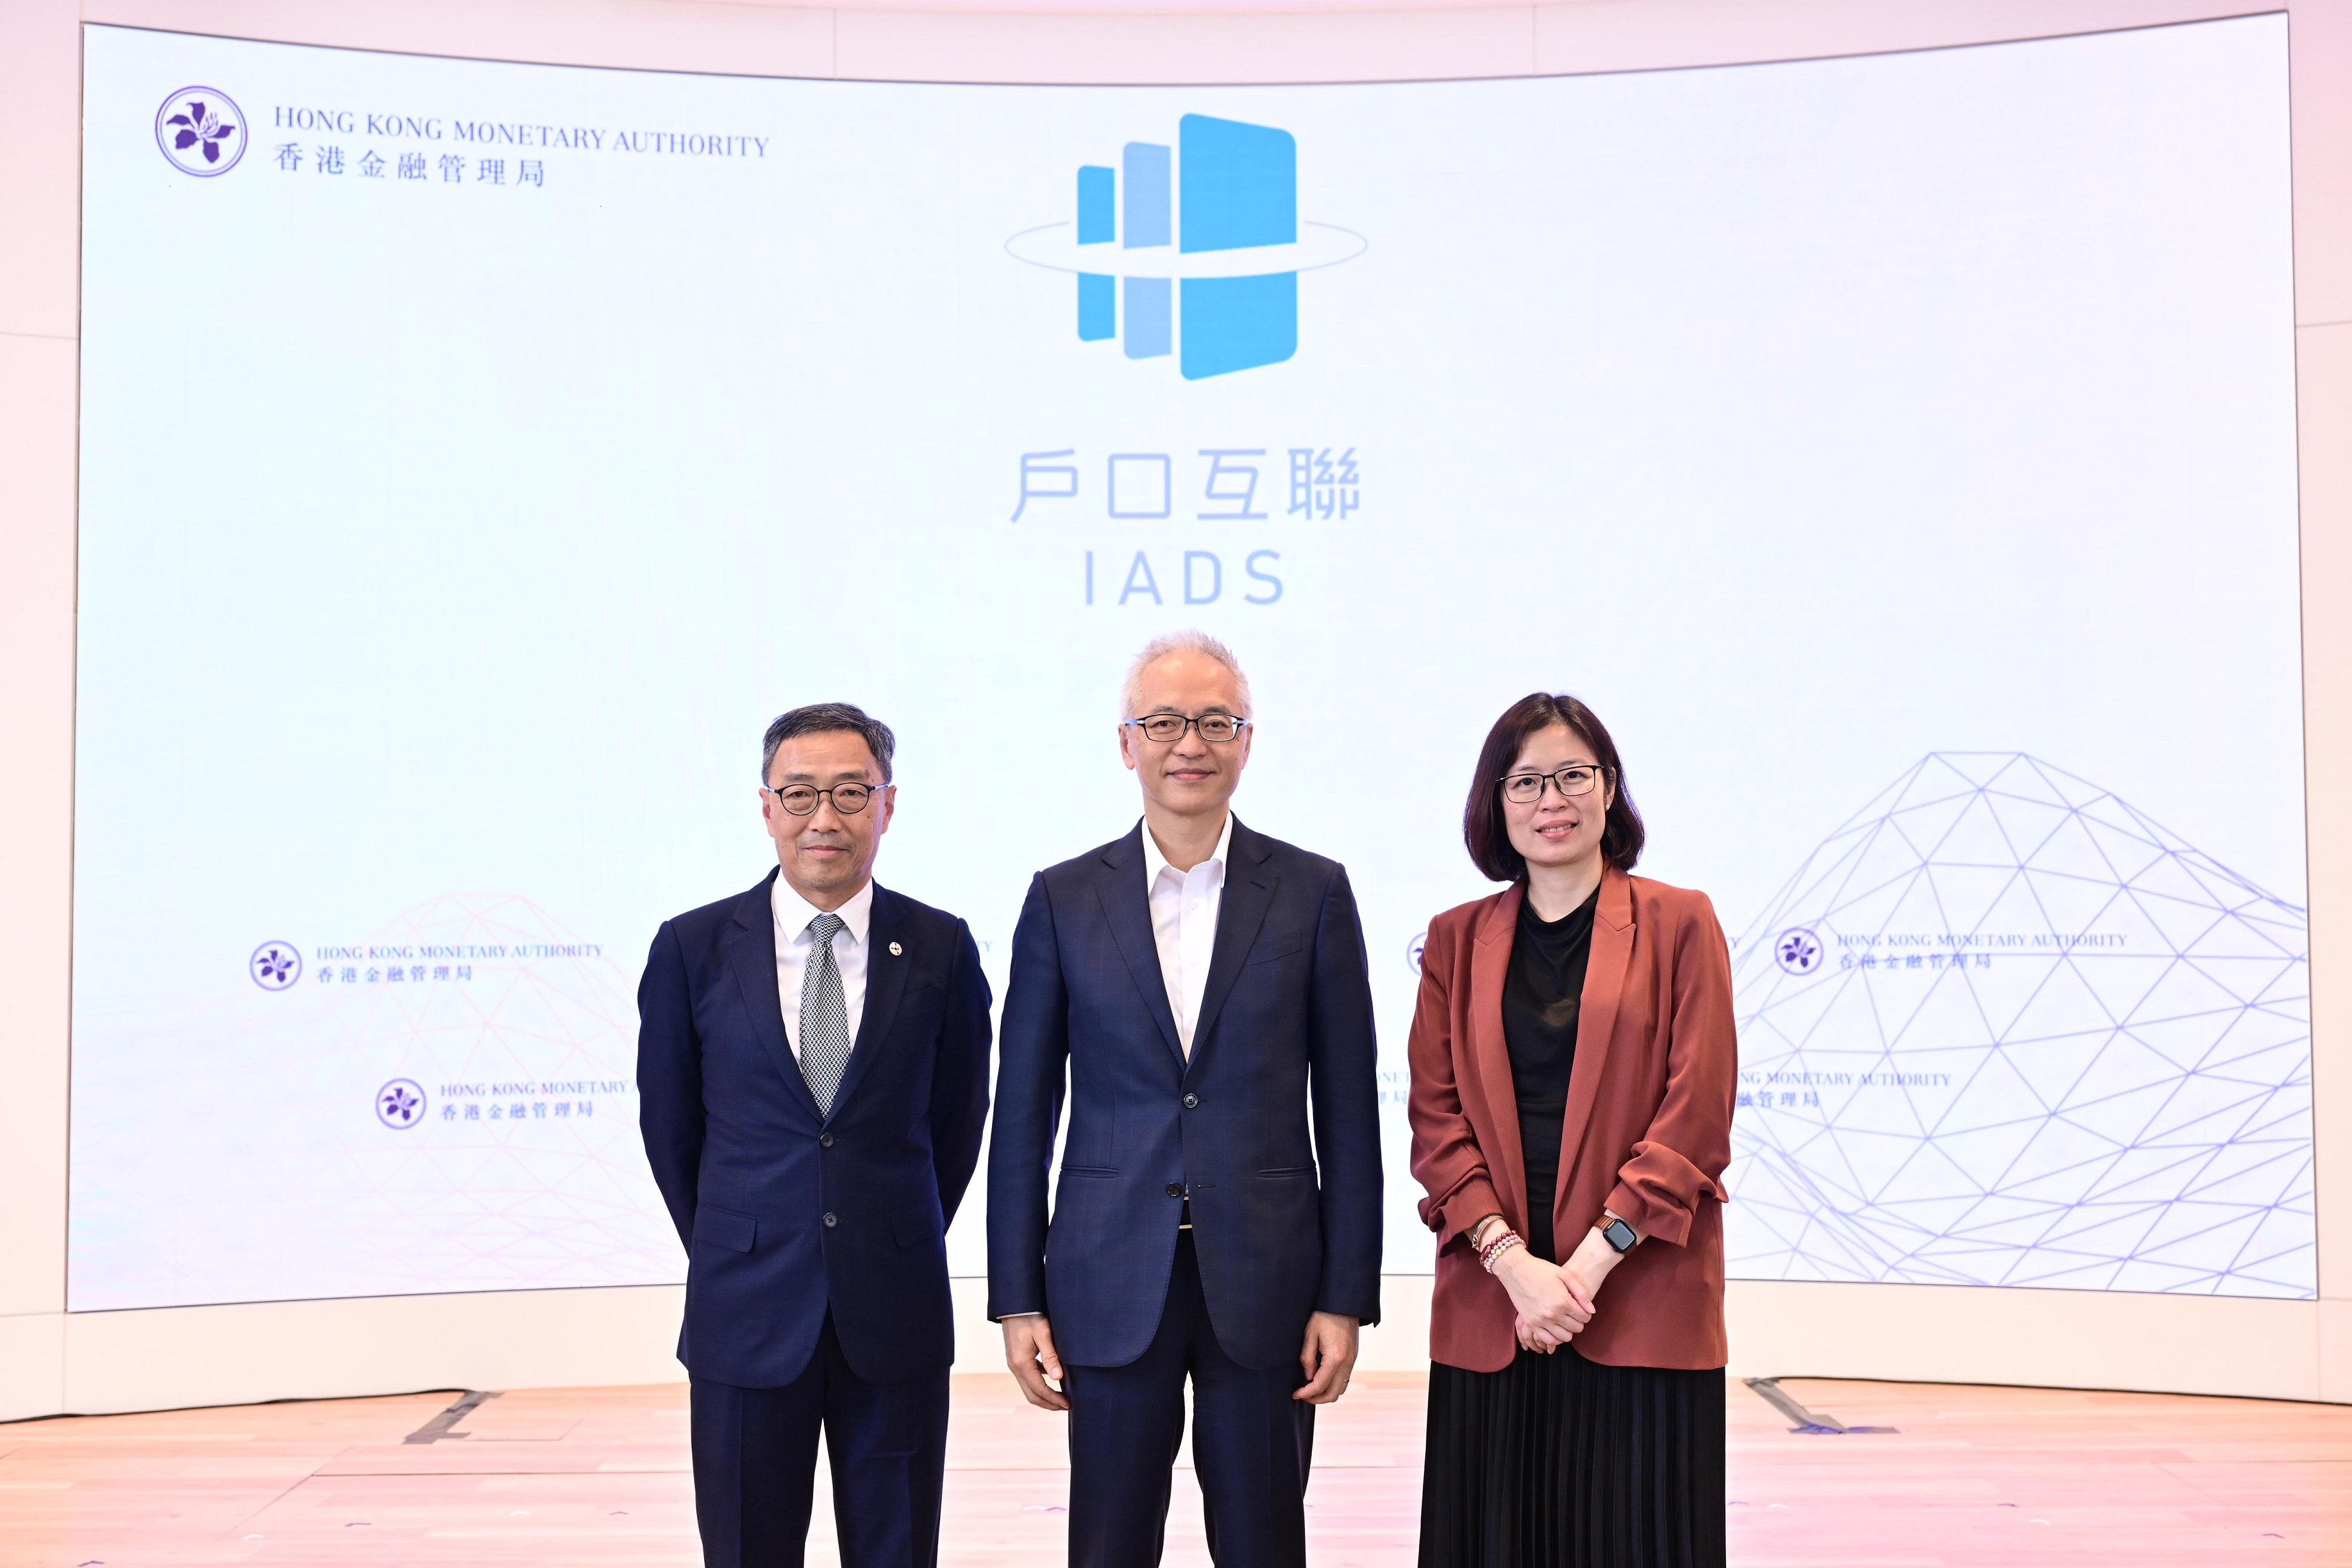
x,y
793,944
1184,923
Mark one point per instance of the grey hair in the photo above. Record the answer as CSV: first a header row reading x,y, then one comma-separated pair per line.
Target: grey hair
x,y
820,718
1187,641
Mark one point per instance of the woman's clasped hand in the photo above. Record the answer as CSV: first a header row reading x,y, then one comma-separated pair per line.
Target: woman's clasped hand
x,y
1554,1301
1551,1309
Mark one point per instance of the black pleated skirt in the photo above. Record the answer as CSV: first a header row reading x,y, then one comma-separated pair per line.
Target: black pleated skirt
x,y
1560,1462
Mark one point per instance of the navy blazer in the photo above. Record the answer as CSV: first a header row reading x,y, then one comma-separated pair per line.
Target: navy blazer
x,y
1286,1025
787,1214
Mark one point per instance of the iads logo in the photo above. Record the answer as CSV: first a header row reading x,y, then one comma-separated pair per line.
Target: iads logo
x,y
1194,249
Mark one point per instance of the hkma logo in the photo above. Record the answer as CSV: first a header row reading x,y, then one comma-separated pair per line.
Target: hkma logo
x,y
200,132
1194,249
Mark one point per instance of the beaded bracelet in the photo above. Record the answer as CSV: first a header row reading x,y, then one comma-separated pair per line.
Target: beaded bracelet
x,y
1497,1245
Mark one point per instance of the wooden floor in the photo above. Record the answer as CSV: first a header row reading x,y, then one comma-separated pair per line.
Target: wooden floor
x,y
598,1477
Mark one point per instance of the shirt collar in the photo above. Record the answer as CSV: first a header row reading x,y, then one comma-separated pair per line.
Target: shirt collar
x,y
1154,862
795,912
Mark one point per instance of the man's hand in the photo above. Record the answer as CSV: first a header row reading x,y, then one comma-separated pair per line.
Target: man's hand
x,y
1328,1357
1029,1352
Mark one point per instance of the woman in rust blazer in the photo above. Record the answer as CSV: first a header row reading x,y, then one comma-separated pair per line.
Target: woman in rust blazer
x,y
1573,1060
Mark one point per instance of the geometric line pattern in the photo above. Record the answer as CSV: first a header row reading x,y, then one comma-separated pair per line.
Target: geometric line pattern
x,y
2000,1028
510,1204
299,1189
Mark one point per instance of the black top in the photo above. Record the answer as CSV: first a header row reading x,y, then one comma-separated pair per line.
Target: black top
x,y
1541,998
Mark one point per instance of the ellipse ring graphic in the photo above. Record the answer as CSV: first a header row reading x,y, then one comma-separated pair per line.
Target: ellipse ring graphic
x,y
1054,246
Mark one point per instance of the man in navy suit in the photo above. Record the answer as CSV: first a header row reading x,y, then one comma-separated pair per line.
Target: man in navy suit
x,y
813,1069
1202,987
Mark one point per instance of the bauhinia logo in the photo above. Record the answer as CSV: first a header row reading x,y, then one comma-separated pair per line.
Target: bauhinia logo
x,y
201,132
1194,249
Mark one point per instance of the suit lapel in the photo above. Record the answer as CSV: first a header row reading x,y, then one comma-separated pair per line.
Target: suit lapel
x,y
752,957
1127,908
1241,910
1604,989
885,982
1490,1052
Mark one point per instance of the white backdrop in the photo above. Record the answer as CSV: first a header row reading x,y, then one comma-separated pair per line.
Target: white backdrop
x,y
446,544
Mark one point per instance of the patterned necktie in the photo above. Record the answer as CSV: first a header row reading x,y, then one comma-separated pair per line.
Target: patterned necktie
x,y
824,1017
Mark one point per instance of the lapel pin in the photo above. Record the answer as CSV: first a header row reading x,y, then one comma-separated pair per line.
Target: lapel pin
x,y
895,950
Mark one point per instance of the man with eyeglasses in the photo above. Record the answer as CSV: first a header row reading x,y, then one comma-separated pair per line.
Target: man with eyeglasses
x,y
812,1074
1201,990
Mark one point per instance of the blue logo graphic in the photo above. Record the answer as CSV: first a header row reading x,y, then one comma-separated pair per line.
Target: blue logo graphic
x,y
1413,951
201,132
274,965
1199,248
400,1103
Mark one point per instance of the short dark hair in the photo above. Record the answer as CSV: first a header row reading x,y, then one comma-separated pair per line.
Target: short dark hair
x,y
822,718
1482,818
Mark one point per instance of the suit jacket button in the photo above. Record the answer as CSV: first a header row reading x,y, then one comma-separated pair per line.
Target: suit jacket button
x,y
1175,1189
830,1221
824,1139
1192,1103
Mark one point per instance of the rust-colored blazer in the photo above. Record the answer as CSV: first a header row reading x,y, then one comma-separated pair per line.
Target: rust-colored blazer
x,y
1647,1134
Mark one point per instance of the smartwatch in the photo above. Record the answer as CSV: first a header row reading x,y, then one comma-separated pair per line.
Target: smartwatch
x,y
1618,1234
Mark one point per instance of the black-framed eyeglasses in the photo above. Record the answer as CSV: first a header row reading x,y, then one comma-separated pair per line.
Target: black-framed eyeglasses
x,y
848,799
1167,727
1526,789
